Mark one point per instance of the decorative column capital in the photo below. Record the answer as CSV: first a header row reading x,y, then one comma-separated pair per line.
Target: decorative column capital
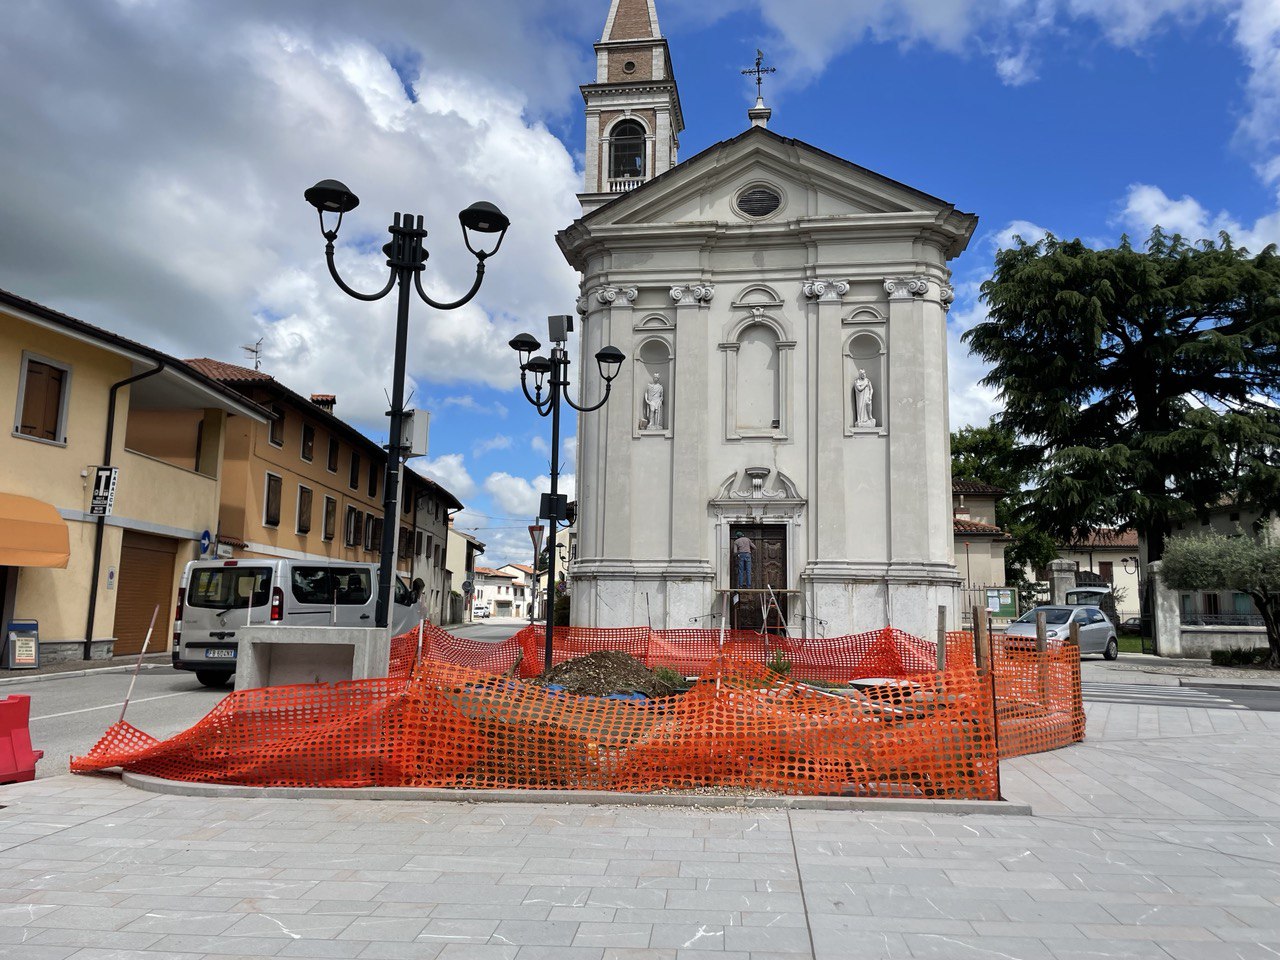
x,y
900,288
946,296
825,289
581,305
693,293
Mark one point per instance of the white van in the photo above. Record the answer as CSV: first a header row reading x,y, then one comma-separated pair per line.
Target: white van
x,y
218,598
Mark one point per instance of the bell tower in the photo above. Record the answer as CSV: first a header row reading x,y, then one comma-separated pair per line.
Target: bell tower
x,y
633,108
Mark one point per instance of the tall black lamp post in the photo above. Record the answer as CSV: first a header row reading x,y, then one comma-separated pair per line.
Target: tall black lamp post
x,y
406,257
553,374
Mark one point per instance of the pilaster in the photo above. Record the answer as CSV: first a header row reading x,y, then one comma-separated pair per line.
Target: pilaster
x,y
827,399
613,325
690,438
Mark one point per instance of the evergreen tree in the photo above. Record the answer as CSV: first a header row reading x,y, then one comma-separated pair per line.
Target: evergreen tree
x,y
1144,384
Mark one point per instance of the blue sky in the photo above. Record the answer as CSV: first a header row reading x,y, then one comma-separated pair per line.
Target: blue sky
x,y
167,148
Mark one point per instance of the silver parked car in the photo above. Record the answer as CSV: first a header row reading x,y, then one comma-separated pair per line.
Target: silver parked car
x,y
1097,632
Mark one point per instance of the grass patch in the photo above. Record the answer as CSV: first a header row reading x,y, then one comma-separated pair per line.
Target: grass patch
x,y
1130,644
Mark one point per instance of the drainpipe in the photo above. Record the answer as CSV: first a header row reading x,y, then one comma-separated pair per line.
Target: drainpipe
x,y
102,521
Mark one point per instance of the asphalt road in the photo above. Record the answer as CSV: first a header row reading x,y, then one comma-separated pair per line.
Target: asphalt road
x,y
69,714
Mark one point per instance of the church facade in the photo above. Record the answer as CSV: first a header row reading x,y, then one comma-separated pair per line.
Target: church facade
x,y
777,445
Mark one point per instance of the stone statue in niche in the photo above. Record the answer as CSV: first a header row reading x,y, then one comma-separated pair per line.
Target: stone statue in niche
x,y
862,394
653,403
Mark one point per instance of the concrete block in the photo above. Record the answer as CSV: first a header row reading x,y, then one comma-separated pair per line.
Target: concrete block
x,y
277,656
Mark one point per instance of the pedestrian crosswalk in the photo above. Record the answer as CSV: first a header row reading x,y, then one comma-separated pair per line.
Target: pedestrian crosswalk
x,y
1137,693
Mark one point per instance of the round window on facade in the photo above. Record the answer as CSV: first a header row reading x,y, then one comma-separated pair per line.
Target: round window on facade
x,y
629,67
759,201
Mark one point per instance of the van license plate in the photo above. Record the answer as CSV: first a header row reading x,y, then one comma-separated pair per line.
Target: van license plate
x,y
211,654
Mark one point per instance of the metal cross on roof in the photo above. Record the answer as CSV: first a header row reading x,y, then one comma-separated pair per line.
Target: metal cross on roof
x,y
759,71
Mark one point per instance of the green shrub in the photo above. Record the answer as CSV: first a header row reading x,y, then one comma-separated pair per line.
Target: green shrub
x,y
672,678
560,612
778,663
1239,656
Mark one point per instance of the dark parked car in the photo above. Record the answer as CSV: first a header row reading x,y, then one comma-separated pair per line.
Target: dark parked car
x,y
1131,625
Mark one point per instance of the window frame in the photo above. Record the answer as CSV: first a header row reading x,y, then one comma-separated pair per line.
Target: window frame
x,y
351,527
329,521
276,422
266,499
353,479
335,448
642,137
373,479
63,401
307,451
311,497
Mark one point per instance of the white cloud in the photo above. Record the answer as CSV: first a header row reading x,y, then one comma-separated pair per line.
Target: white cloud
x,y
499,442
518,497
539,445
449,471
202,240
470,404
1146,206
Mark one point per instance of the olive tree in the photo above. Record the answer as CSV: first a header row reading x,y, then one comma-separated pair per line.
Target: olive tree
x,y
1244,564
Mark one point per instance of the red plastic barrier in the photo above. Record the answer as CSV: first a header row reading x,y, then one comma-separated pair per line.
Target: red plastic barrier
x,y
17,759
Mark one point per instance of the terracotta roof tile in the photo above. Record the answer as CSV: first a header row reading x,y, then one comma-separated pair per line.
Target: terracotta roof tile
x,y
975,486
226,372
974,526
1106,537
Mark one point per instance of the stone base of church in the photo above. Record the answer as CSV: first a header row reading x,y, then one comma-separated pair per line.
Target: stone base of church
x,y
850,597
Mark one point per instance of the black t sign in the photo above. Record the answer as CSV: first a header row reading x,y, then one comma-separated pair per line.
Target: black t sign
x,y
104,491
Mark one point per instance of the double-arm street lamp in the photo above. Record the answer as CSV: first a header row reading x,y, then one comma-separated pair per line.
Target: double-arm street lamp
x,y
553,374
406,258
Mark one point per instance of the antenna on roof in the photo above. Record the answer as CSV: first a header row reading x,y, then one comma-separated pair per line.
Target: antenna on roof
x,y
254,350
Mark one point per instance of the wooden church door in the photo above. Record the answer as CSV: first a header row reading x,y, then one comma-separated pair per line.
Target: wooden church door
x,y
768,570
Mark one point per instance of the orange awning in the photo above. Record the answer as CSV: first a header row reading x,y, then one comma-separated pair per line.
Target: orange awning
x,y
32,534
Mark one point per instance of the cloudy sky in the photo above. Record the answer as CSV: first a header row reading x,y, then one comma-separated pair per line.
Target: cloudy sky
x,y
155,153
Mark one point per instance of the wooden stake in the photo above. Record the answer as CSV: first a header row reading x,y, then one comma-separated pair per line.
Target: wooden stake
x,y
1042,632
138,666
981,640
942,639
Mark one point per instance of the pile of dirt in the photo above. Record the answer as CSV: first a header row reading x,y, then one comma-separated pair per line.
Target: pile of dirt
x,y
603,672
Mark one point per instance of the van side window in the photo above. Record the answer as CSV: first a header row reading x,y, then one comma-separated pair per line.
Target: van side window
x,y
354,585
311,585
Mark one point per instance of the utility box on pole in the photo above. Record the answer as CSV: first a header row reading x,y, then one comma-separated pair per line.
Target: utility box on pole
x,y
417,425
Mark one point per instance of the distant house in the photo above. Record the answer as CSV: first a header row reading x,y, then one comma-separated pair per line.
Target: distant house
x,y
522,587
1224,606
495,592
460,569
979,543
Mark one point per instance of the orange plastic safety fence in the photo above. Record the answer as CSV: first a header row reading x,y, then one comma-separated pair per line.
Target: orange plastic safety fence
x,y
878,653
451,714
450,726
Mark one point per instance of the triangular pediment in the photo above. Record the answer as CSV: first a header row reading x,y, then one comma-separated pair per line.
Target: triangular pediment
x,y
811,182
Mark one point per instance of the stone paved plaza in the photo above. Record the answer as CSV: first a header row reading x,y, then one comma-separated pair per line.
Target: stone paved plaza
x,y
1156,838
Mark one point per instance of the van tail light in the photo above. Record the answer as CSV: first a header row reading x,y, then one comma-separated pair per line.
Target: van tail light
x,y
177,615
277,604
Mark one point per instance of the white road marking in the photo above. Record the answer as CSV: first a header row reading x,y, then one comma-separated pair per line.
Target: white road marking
x,y
111,706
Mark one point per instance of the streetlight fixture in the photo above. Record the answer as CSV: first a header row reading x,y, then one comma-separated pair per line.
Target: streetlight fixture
x,y
552,373
1125,562
535,534
406,258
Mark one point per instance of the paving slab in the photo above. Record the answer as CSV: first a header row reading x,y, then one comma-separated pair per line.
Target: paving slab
x,y
1157,837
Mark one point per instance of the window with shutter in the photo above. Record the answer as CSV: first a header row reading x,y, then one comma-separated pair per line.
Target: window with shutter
x,y
271,509
330,517
304,509
40,412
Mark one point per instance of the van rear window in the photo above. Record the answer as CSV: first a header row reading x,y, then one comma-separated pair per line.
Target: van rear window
x,y
327,585
229,588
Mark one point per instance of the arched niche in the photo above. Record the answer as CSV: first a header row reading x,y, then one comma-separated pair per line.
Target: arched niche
x,y
758,372
654,358
864,352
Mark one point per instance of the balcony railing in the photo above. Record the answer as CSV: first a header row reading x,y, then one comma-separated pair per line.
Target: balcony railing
x,y
624,184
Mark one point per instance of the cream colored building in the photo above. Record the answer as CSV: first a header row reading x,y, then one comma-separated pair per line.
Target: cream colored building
x,y
307,485
460,568
793,307
979,543
81,398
